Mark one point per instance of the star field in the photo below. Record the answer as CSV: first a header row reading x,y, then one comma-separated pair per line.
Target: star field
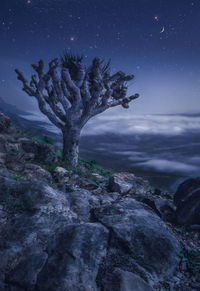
x,y
156,40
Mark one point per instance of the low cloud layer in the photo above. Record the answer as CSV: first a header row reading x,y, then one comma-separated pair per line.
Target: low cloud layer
x,y
143,124
135,124
164,166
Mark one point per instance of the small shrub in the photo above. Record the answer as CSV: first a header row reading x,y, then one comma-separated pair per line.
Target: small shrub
x,y
15,151
38,140
17,177
93,167
59,153
47,140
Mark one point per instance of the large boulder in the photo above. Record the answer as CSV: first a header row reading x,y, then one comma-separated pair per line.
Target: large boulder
x,y
127,183
139,241
73,258
4,123
187,201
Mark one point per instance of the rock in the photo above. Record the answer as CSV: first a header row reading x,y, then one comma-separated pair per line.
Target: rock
x,y
73,258
42,152
121,280
2,159
28,157
12,147
161,206
25,274
3,215
4,123
48,213
87,184
107,198
140,242
97,177
61,175
196,286
187,201
79,202
127,183
14,164
117,184
3,142
33,171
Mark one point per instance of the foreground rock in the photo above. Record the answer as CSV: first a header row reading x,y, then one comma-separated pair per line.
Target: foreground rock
x,y
51,240
127,183
187,201
139,241
74,258
35,212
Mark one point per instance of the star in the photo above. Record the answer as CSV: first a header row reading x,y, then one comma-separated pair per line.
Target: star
x,y
72,38
28,1
156,18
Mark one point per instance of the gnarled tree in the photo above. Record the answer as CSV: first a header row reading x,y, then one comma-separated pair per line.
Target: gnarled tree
x,y
69,94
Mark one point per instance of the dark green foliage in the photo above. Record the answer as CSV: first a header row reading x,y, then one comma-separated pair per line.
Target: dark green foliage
x,y
192,258
59,153
50,165
45,140
17,177
92,166
84,168
41,141
15,151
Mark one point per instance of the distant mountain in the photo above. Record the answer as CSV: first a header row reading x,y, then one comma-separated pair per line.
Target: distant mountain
x,y
10,109
35,127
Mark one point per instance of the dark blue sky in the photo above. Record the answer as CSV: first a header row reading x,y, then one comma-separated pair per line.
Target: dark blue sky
x,y
157,40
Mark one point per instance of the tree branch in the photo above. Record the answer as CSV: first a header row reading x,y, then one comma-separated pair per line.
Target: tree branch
x,y
72,87
28,89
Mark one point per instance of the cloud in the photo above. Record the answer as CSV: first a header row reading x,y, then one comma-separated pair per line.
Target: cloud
x,y
169,166
143,124
173,125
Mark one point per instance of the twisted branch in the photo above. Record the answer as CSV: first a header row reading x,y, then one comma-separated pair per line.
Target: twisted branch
x,y
66,100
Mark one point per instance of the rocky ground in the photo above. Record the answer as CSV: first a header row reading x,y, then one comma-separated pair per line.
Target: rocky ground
x,y
88,228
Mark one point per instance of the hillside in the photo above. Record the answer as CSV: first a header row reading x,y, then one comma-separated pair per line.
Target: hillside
x,y
88,228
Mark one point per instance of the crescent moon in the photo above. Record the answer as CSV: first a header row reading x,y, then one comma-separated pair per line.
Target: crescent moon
x,y
163,29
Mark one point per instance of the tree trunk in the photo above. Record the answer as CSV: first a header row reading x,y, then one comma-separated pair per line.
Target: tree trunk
x,y
71,138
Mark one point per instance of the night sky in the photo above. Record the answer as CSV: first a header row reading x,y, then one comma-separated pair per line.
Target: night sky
x,y
156,40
